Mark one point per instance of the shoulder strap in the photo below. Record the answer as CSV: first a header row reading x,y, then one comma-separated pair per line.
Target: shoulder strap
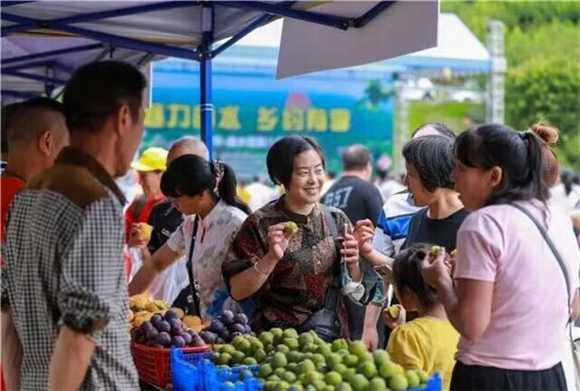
x,y
550,244
192,285
332,293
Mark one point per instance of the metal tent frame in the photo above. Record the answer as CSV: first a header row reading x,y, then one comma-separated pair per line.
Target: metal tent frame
x,y
203,53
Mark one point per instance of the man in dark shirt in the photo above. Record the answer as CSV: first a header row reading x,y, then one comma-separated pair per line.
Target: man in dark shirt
x,y
359,199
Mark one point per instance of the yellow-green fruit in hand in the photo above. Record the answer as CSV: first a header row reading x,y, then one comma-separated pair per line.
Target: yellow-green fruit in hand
x,y
377,384
333,378
398,383
413,379
394,312
290,228
359,382
435,250
388,370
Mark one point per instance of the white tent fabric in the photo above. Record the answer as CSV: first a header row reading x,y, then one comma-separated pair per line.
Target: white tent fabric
x,y
455,43
118,34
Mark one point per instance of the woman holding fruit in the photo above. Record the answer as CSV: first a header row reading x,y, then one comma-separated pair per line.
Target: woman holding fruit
x,y
429,161
206,190
285,255
510,298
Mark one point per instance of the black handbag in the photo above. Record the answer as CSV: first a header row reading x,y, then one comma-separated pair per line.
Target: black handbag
x,y
188,298
325,321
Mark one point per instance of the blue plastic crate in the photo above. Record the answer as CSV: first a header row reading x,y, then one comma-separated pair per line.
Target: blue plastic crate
x,y
187,370
193,372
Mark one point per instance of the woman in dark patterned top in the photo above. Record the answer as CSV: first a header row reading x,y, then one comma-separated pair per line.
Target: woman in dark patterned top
x,y
287,275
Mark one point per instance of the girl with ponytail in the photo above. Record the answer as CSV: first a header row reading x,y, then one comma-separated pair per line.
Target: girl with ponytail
x,y
206,193
508,297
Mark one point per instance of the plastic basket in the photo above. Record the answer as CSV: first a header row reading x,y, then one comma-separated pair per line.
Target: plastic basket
x,y
188,370
154,365
192,372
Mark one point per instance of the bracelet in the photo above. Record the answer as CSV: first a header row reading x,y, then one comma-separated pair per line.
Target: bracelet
x,y
259,271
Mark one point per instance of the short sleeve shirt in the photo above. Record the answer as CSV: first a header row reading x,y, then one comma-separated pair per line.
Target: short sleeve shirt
x,y
425,344
501,245
296,288
64,266
214,236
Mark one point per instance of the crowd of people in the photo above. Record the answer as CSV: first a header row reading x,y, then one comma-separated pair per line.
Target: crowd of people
x,y
477,249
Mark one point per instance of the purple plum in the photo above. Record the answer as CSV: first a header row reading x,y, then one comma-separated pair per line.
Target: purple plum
x,y
164,339
151,334
187,337
164,326
207,336
146,326
178,341
135,334
155,319
176,330
240,328
241,318
219,341
170,314
227,317
248,329
157,346
224,334
216,326
197,341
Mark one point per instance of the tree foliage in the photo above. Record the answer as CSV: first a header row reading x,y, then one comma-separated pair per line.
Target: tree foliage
x,y
542,48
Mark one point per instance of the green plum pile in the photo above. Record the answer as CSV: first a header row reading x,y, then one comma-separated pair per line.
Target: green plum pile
x,y
289,361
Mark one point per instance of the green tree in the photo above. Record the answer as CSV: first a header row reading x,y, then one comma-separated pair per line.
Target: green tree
x,y
547,90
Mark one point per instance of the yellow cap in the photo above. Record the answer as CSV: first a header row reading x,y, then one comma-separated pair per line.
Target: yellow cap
x,y
152,159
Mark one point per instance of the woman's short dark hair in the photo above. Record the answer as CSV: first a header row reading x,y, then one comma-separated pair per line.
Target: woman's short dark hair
x,y
280,159
97,89
432,157
192,175
518,154
407,273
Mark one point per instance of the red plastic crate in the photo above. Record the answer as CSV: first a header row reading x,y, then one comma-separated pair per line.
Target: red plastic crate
x,y
154,364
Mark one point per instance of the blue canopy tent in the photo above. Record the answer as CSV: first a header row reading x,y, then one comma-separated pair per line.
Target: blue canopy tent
x,y
43,41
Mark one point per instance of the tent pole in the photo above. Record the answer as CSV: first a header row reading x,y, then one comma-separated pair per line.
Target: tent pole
x,y
206,104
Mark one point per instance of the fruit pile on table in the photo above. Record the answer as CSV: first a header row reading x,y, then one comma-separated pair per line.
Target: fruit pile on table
x,y
289,361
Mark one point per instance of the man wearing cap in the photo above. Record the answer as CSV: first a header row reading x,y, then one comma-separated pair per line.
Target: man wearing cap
x,y
150,166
